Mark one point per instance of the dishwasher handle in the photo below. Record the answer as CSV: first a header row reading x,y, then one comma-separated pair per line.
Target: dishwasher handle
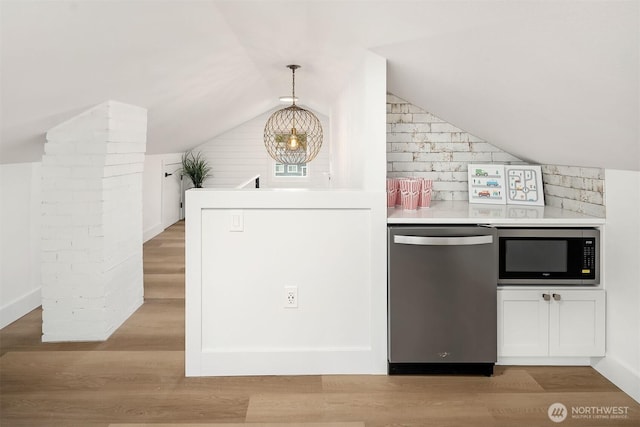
x,y
443,241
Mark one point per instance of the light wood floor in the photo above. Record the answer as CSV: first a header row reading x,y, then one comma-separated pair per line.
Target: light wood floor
x,y
136,378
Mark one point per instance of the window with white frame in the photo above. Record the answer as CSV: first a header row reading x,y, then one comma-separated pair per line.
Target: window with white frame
x,y
290,171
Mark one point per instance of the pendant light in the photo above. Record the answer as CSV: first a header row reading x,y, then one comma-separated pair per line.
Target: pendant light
x,y
293,135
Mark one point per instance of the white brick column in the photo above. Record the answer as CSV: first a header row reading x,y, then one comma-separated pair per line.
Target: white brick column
x,y
92,222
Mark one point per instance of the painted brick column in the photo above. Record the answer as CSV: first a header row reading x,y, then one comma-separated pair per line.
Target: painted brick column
x,y
92,278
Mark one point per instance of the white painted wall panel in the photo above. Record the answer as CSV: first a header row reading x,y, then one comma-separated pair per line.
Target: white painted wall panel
x,y
20,283
622,281
325,253
331,244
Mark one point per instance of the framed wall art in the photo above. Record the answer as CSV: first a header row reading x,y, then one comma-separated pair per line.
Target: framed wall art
x,y
487,184
524,185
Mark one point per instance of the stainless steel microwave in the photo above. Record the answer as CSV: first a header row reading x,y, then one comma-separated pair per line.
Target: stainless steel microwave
x,y
549,256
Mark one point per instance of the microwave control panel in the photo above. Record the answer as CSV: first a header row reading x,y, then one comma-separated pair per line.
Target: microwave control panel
x,y
589,256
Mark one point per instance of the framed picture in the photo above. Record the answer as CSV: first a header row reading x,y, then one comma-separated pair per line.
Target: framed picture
x,y
486,184
524,185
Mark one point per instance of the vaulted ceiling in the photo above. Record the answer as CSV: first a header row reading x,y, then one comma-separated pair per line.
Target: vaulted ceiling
x,y
551,82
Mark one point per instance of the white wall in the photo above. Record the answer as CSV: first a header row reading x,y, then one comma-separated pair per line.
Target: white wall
x,y
20,194
358,128
152,196
622,281
20,212
240,154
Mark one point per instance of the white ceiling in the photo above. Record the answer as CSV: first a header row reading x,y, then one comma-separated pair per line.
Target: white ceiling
x,y
552,82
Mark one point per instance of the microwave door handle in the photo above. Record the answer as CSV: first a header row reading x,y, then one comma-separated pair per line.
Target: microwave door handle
x,y
443,241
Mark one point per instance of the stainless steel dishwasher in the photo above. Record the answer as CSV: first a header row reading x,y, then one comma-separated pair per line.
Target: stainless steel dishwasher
x,y
442,288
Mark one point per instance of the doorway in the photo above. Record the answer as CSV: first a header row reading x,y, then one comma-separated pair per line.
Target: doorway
x,y
172,204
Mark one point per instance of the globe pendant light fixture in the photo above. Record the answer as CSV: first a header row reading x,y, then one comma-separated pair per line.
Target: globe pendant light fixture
x,y
293,135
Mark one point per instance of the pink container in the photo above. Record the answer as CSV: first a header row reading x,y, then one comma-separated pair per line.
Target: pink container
x,y
427,183
410,193
409,200
411,185
393,185
425,198
392,198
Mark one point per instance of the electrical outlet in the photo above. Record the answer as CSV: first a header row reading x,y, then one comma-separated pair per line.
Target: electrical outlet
x,y
291,297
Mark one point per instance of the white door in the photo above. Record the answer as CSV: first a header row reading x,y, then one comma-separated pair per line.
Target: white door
x,y
171,195
523,323
577,323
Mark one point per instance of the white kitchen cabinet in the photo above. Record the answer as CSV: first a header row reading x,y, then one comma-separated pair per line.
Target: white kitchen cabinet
x,y
548,322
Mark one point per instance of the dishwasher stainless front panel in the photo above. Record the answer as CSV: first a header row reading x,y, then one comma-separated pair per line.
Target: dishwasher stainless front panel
x,y
442,288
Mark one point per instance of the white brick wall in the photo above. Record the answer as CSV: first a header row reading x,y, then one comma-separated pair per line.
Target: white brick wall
x,y
420,144
575,188
92,222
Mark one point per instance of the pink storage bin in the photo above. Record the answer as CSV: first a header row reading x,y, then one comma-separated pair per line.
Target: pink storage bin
x,y
392,198
425,198
409,200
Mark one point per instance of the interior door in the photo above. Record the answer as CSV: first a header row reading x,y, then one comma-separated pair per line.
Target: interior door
x,y
171,195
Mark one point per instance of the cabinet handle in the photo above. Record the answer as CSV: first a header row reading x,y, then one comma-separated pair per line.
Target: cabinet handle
x,y
556,297
546,297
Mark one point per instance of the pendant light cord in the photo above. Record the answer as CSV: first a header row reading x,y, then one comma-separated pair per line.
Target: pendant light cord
x,y
293,95
293,85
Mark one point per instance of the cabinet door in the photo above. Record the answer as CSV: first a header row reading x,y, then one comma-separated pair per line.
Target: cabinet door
x,y
577,323
523,323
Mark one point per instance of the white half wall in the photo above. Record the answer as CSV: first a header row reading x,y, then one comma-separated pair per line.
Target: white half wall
x,y
330,244
622,281
20,283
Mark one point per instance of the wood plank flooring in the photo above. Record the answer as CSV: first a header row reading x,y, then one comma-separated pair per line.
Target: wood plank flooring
x,y
136,378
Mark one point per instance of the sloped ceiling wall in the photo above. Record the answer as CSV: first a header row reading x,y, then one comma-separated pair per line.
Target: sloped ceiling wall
x,y
552,82
556,85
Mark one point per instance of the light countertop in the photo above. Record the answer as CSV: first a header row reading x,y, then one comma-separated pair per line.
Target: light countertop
x,y
462,212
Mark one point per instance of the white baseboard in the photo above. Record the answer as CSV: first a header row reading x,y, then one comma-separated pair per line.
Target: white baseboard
x,y
544,361
152,232
621,375
17,308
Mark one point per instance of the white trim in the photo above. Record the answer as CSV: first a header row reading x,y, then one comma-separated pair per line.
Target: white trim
x,y
152,232
621,375
17,308
544,361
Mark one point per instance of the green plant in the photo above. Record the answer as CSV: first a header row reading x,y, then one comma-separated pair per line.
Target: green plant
x,y
196,167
